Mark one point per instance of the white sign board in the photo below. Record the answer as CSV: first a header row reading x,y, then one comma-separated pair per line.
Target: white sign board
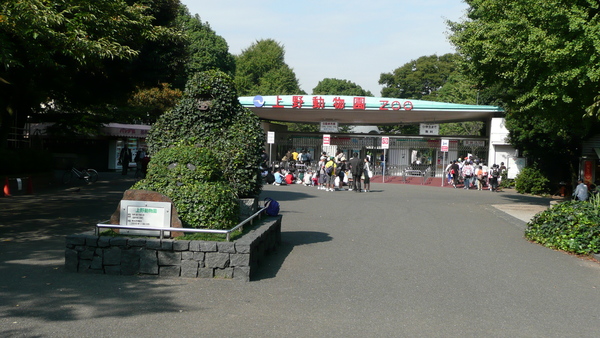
x,y
270,137
429,129
445,145
385,143
326,139
329,127
471,143
145,214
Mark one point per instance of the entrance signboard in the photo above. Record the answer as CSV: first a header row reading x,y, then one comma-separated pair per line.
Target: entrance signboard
x,y
429,129
145,214
326,139
329,127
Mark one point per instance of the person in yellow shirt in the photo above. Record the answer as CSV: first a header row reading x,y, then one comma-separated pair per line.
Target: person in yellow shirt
x,y
330,174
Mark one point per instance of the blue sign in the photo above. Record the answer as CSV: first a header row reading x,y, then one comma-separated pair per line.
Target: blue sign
x,y
258,101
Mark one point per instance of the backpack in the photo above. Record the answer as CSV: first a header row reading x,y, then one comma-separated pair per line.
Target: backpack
x,y
329,170
495,173
272,207
468,171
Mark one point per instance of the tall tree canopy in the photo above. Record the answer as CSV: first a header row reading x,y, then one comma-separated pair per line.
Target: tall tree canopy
x,y
73,55
545,56
432,78
418,78
206,50
261,69
329,86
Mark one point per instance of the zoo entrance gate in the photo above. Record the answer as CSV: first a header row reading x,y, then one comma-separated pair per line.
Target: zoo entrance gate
x,y
404,153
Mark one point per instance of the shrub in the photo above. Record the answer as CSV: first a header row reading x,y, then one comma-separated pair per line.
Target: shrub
x,y
572,226
531,181
178,164
189,175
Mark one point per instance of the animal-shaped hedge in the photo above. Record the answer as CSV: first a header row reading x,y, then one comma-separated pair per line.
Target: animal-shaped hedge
x,y
210,115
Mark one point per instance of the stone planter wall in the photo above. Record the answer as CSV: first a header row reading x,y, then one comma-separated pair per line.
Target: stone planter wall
x,y
89,253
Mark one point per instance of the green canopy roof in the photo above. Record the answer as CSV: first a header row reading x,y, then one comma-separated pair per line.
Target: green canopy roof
x,y
363,110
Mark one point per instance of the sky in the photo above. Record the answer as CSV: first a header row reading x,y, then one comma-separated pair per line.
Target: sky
x,y
347,40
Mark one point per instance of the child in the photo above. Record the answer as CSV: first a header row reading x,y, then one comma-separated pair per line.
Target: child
x,y
315,178
307,179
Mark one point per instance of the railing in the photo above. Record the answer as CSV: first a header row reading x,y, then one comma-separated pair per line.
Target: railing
x,y
408,172
162,230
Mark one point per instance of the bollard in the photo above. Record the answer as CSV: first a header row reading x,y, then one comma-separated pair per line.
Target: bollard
x,y
6,188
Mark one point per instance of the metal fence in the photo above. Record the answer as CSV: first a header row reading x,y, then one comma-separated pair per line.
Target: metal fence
x,y
404,153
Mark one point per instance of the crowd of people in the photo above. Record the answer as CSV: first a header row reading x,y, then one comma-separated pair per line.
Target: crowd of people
x,y
475,174
331,173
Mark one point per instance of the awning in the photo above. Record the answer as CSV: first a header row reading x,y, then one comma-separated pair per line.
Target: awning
x,y
125,130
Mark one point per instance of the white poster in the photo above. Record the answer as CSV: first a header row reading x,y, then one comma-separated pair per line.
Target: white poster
x,y
429,129
329,127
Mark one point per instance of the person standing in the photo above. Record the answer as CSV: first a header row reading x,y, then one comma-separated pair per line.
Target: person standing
x,y
467,172
494,176
330,174
448,172
479,177
125,158
356,170
367,173
581,191
454,171
340,172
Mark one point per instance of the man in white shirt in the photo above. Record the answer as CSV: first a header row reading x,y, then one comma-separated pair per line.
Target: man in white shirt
x,y
581,191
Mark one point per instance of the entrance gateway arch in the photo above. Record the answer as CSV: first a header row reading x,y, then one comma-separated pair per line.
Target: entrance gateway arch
x,y
404,150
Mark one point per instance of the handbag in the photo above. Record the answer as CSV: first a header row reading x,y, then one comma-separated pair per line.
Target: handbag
x,y
370,173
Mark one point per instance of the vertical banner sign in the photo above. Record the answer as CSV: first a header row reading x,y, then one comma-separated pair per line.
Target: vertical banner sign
x,y
445,144
270,137
385,143
588,167
444,148
270,141
326,139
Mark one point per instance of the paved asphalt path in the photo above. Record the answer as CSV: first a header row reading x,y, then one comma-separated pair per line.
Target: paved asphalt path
x,y
401,261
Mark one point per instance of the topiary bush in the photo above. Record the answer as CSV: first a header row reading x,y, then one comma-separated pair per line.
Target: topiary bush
x,y
572,226
531,181
210,115
190,176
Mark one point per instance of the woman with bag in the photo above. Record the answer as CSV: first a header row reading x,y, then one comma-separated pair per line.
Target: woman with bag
x,y
367,174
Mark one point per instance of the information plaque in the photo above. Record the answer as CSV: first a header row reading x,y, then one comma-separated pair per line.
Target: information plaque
x,y
145,214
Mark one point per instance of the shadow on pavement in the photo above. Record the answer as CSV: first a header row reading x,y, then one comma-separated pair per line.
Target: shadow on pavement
x,y
271,264
514,197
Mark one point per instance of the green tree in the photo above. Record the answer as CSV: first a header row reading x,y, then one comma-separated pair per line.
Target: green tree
x,y
206,50
76,57
432,78
147,104
261,69
330,86
419,78
544,55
